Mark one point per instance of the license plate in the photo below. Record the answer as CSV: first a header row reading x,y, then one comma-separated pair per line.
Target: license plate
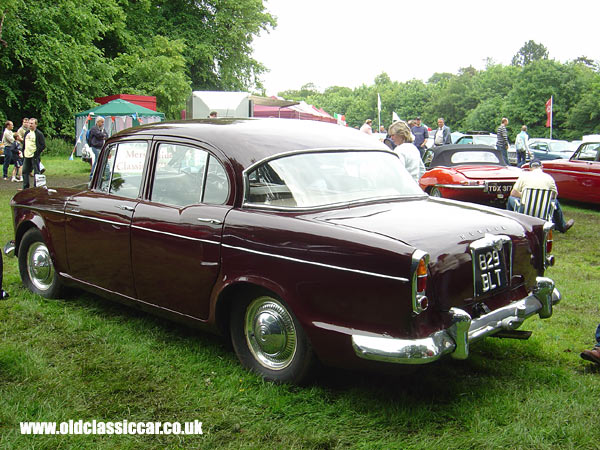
x,y
490,270
498,188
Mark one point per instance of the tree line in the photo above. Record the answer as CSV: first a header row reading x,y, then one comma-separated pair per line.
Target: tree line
x,y
57,56
478,99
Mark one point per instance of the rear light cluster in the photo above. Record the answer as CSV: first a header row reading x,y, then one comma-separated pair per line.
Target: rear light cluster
x,y
420,261
547,246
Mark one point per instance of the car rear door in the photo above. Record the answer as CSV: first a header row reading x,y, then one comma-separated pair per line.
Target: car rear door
x,y
176,229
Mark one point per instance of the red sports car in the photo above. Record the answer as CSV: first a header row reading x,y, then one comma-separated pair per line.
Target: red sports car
x,y
473,173
578,178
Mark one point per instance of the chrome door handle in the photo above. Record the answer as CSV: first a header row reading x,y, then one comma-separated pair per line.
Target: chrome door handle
x,y
125,207
211,221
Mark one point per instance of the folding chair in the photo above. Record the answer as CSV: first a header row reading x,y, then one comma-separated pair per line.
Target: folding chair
x,y
537,203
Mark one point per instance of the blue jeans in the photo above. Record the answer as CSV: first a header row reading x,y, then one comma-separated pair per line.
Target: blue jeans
x,y
598,336
521,158
7,162
96,152
504,154
558,217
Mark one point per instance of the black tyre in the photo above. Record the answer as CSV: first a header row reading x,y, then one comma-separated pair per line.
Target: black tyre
x,y
36,266
269,340
435,192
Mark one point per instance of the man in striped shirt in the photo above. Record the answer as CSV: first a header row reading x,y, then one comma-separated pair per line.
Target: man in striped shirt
x,y
502,139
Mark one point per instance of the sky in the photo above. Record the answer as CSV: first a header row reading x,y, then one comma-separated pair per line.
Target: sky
x,y
349,42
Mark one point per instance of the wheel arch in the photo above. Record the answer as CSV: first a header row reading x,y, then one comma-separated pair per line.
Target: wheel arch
x,y
236,290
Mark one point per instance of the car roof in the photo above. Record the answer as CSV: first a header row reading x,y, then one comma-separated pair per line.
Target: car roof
x,y
442,155
247,141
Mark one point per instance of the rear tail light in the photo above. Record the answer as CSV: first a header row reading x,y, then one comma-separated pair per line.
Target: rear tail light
x,y
422,276
549,241
420,302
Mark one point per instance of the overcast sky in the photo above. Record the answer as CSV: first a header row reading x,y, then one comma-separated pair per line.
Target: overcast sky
x,y
350,42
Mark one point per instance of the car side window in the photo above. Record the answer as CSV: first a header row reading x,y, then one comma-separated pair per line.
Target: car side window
x,y
589,152
465,140
179,175
216,190
187,175
124,168
543,146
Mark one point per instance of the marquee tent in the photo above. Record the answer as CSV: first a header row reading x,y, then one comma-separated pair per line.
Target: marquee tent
x,y
300,111
118,115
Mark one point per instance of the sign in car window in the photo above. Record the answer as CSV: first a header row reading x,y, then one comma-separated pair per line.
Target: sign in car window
x,y
123,169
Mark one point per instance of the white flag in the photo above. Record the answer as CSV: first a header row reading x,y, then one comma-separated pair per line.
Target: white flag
x,y
378,102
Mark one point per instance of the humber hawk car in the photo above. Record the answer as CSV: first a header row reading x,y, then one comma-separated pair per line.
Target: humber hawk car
x,y
303,242
468,172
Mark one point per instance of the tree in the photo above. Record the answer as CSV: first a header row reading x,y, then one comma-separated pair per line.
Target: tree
x,y
531,51
158,69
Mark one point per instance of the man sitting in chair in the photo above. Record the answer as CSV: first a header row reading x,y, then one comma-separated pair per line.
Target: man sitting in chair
x,y
535,178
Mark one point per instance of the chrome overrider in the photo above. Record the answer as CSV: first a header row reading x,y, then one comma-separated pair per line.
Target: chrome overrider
x,y
463,331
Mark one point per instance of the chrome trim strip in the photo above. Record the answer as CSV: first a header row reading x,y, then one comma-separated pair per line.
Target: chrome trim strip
x,y
459,186
97,219
206,241
457,338
328,266
37,208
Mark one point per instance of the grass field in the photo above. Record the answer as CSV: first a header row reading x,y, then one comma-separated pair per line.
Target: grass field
x,y
85,358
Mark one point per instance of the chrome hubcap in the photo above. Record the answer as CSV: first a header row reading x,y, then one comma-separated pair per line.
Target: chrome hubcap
x,y
39,266
270,333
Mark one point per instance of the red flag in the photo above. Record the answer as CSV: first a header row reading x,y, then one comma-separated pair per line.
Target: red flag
x,y
549,113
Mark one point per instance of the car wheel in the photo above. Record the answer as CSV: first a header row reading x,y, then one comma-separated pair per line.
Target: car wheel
x,y
36,266
435,192
269,340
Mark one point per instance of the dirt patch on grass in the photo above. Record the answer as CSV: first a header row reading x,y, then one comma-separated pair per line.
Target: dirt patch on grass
x,y
52,181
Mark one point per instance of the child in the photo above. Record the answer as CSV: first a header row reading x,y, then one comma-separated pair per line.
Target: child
x,y
17,158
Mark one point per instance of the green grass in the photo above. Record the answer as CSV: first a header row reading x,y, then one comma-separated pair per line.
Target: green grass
x,y
83,357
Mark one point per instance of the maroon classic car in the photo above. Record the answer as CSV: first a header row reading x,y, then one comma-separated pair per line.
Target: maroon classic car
x,y
302,241
473,173
578,178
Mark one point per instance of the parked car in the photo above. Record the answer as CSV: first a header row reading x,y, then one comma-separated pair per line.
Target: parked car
x,y
478,138
301,240
474,173
578,178
547,149
512,155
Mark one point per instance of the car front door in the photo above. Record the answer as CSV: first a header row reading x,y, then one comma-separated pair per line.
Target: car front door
x,y
176,231
99,220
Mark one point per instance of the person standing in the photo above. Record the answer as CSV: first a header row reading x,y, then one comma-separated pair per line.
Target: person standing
x,y
522,146
502,142
441,136
8,140
594,354
421,135
23,129
408,153
535,178
97,137
366,127
34,144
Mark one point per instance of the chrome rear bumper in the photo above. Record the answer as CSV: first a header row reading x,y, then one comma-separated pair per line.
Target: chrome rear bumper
x,y
464,330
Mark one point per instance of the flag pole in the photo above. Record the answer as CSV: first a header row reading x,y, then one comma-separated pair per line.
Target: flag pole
x,y
378,112
551,113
